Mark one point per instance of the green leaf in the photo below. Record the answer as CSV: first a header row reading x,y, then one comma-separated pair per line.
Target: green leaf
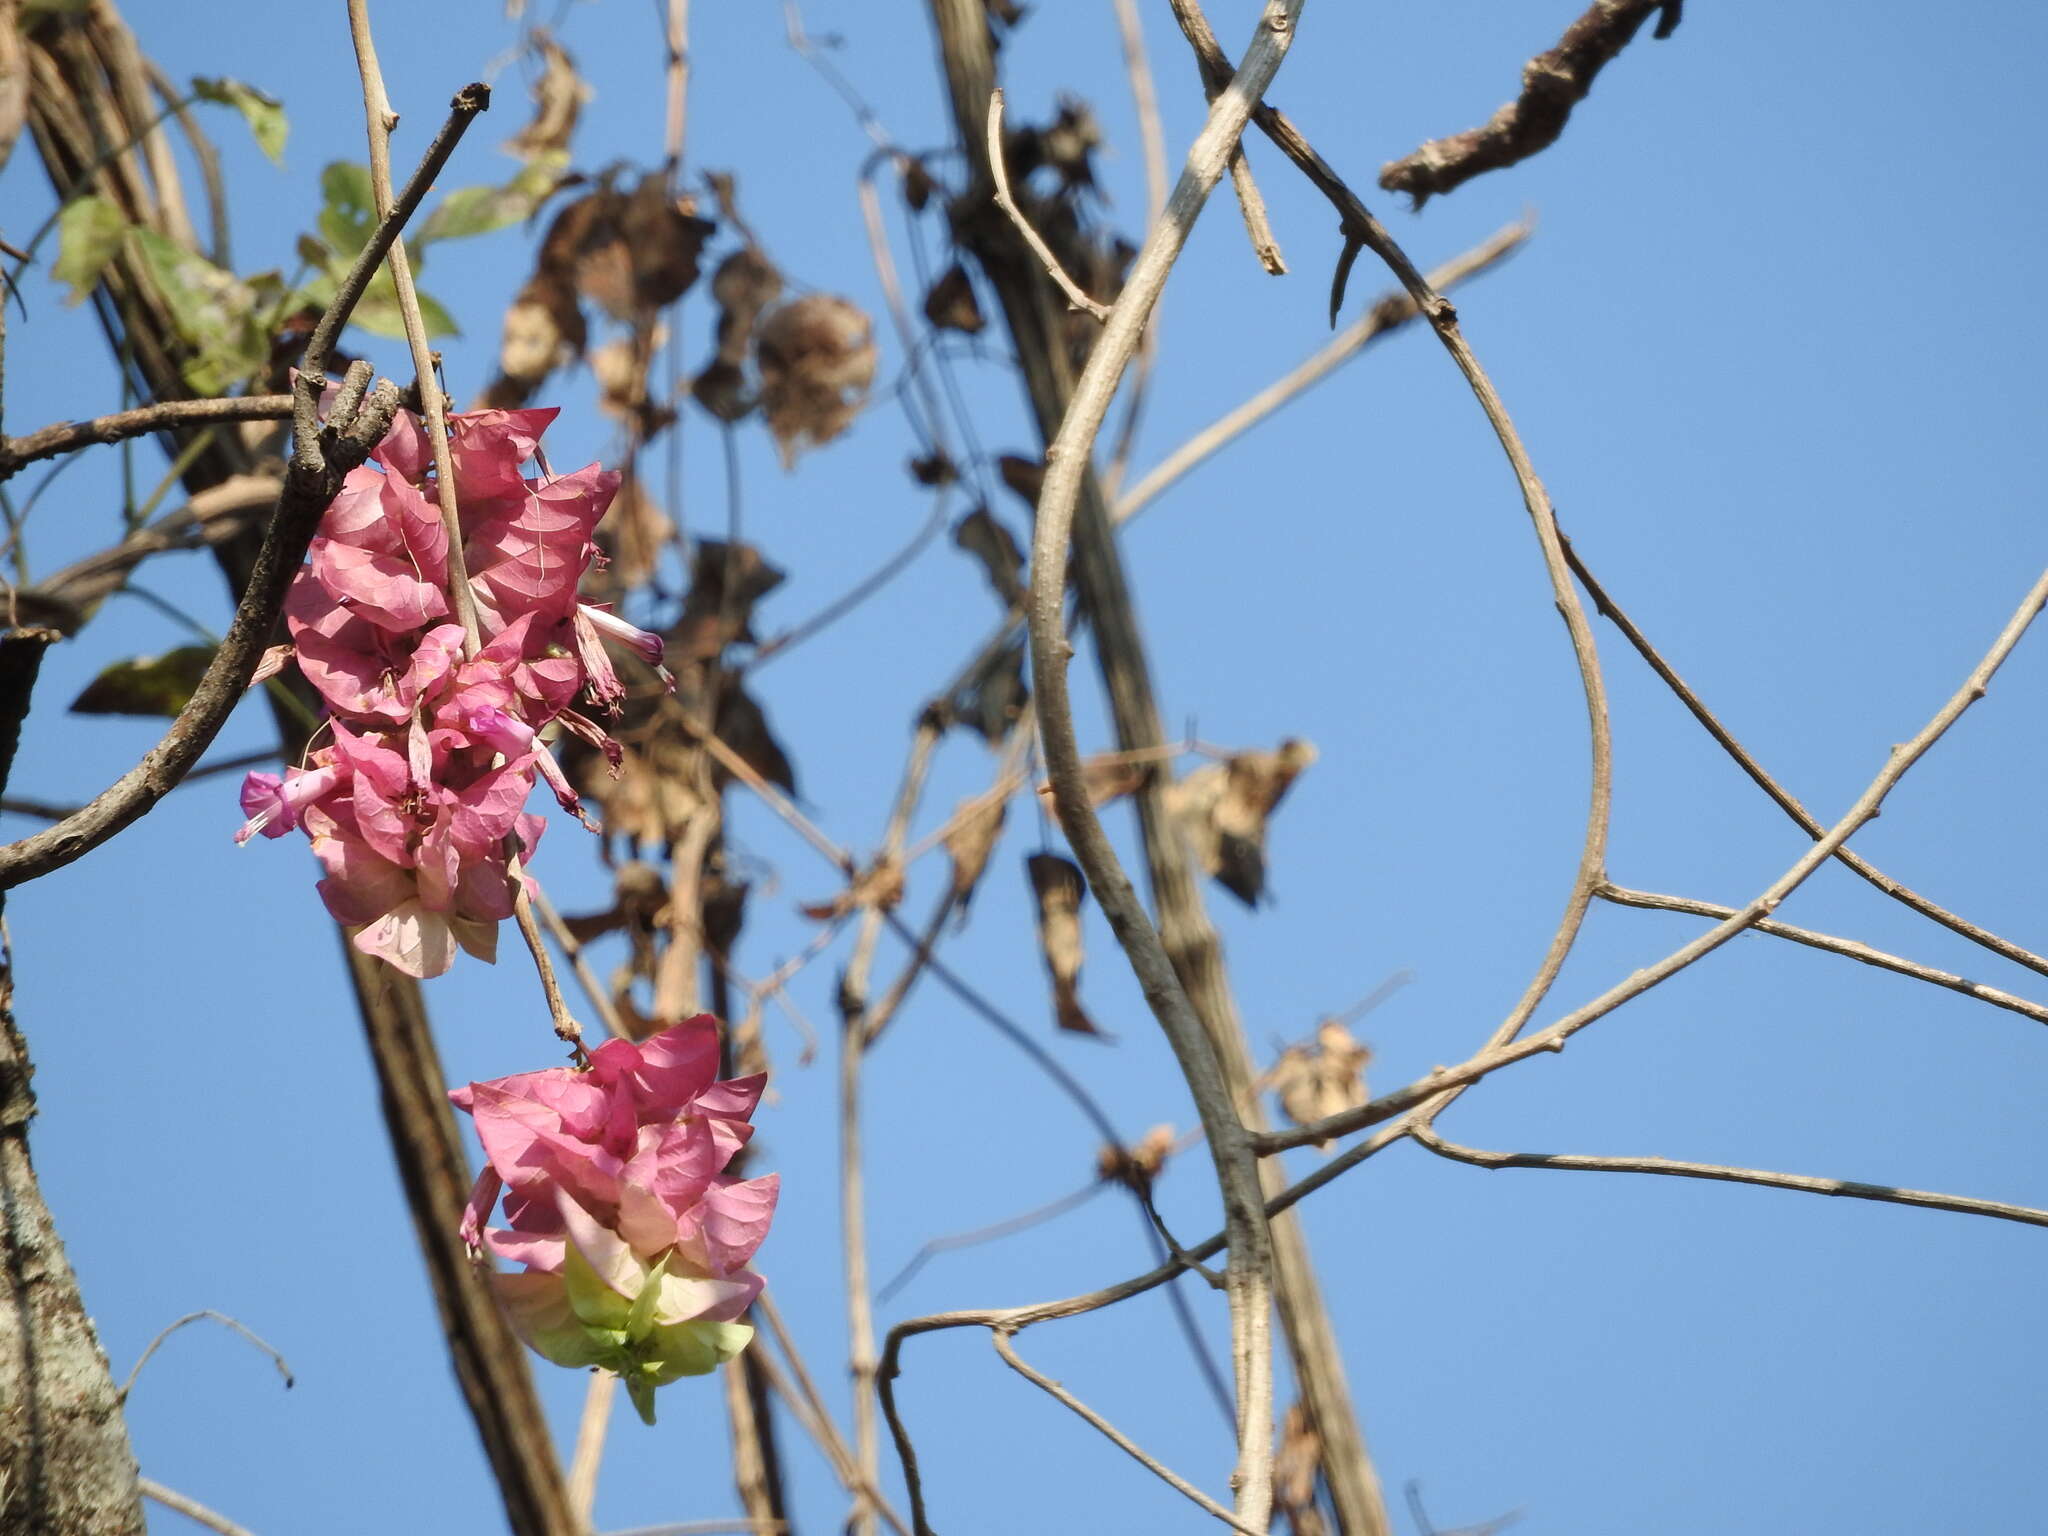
x,y
146,685
215,312
350,215
89,231
263,113
471,211
377,310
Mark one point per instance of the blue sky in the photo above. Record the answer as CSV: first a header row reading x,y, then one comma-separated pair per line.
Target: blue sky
x,y
1772,351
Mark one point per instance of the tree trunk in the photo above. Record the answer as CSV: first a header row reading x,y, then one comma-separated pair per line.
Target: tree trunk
x,y
65,1464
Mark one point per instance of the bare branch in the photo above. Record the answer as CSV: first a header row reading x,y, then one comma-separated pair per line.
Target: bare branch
x,y
1784,800
210,1316
1552,84
999,170
1670,1168
68,436
1390,314
1000,1337
191,1509
588,1456
1249,200
1848,948
1067,458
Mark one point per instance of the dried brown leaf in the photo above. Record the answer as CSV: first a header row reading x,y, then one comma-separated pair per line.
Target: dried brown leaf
x,y
1024,476
880,885
544,330
971,837
558,97
1295,1462
816,357
726,580
1222,809
951,304
934,469
1059,889
1313,1082
743,726
997,549
744,285
633,534
994,698
1138,1165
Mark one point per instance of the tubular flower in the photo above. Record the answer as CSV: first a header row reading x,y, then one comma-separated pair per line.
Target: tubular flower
x,y
634,1241
434,752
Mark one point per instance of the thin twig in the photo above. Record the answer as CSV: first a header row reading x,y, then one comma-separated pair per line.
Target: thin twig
x,y
589,1453
1250,201
1848,948
992,1232
190,1508
380,120
210,1316
1152,142
1389,315
68,436
1499,1052
817,1420
1780,796
1363,231
853,1000
1001,1338
1671,1168
572,950
1000,171
1552,84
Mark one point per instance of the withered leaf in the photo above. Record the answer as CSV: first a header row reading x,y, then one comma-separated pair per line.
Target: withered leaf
x,y
1313,1082
633,534
918,185
742,726
934,469
1024,476
544,330
722,390
1107,777
880,885
816,357
146,685
995,697
726,580
1059,889
1222,809
951,304
620,368
745,284
996,548
636,252
1138,1165
976,827
558,97
1295,1463
666,242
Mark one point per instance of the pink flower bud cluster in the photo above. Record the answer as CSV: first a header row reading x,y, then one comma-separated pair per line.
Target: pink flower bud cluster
x,y
432,753
635,1242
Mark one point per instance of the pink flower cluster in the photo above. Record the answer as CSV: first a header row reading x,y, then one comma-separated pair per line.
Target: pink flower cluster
x,y
411,805
635,1241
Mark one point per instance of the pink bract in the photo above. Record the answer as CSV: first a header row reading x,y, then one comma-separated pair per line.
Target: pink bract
x,y
434,752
